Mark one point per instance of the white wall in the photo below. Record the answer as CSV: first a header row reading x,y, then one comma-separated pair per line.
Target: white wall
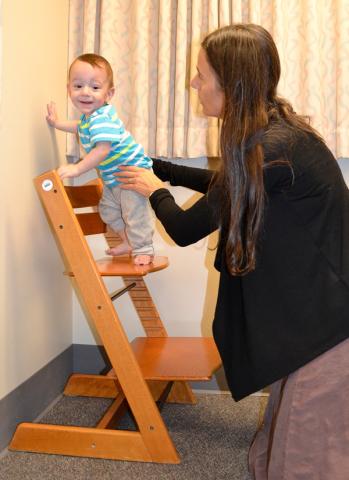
x,y
36,307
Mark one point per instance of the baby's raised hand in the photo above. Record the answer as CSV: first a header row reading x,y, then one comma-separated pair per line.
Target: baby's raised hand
x,y
68,171
51,116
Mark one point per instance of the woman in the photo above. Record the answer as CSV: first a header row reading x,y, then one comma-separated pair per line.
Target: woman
x,y
282,208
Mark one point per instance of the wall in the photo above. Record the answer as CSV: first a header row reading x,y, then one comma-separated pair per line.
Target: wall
x,y
344,164
36,307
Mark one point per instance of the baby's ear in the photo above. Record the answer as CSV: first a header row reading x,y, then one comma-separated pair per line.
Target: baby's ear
x,y
111,92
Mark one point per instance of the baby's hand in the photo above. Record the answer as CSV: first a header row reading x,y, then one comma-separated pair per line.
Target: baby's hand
x,y
68,171
51,116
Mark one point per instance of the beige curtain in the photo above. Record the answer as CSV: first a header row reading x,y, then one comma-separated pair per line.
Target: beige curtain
x,y
152,46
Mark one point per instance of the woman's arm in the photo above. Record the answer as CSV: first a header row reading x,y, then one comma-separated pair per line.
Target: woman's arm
x,y
185,226
197,179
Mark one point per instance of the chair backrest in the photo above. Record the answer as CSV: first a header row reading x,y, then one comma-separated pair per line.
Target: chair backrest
x,y
85,196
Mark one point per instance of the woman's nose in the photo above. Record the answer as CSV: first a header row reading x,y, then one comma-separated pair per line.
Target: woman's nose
x,y
193,82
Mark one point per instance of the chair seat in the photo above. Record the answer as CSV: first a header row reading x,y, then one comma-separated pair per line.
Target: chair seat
x,y
176,358
124,266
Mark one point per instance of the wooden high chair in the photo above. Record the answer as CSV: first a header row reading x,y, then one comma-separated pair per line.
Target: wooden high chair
x,y
145,373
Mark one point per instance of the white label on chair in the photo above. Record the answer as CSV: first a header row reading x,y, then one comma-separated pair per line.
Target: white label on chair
x,y
47,185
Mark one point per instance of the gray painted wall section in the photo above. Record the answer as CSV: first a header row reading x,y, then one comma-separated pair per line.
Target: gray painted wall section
x,y
31,398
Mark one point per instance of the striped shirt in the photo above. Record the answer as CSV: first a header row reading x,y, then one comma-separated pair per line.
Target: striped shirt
x,y
103,125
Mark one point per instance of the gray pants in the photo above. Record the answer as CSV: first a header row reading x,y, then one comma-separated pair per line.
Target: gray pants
x,y
124,210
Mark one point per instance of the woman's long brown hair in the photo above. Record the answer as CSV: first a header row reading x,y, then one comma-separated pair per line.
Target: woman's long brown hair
x,y
246,62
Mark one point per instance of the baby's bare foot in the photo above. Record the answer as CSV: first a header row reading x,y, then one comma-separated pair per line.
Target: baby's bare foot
x,y
121,249
142,259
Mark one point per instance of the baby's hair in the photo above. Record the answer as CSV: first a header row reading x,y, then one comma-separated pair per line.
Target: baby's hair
x,y
96,61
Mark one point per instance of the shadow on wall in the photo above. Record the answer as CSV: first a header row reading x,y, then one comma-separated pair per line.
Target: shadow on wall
x,y
34,287
211,290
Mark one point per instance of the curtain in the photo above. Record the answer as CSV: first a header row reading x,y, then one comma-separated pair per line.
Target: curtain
x,y
152,46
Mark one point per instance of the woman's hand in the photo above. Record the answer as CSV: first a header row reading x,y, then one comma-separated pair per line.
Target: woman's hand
x,y
141,180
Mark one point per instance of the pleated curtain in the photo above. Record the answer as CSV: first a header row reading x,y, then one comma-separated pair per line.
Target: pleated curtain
x,y
152,46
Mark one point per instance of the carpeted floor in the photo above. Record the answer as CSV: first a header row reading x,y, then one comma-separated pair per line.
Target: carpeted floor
x,y
211,437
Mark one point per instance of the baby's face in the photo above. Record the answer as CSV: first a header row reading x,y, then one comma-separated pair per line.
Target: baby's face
x,y
88,87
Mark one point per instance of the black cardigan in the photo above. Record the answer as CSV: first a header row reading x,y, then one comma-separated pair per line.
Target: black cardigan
x,y
295,304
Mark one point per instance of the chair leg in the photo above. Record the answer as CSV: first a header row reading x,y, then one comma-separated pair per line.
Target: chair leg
x,y
80,385
84,442
181,393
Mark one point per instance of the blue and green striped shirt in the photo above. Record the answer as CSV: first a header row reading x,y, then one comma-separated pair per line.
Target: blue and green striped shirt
x,y
103,125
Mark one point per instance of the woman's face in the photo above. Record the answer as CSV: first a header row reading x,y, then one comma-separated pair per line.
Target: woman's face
x,y
210,93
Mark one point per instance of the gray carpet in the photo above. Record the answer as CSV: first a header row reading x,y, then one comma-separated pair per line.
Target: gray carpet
x,y
211,437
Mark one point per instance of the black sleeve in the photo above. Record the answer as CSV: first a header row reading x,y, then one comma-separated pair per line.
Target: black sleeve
x,y
185,226
197,179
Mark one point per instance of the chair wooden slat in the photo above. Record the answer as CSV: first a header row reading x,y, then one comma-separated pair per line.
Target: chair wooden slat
x,y
91,223
124,266
84,195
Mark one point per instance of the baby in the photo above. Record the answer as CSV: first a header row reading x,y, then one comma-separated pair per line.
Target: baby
x,y
108,145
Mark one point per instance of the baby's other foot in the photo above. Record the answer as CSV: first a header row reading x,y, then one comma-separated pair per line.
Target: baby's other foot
x,y
121,249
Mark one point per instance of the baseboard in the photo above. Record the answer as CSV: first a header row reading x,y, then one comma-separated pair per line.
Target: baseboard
x,y
27,402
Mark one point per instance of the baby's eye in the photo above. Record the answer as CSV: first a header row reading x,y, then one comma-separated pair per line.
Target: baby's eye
x,y
96,87
77,85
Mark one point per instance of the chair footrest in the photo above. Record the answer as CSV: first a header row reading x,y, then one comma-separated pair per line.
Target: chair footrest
x,y
176,358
